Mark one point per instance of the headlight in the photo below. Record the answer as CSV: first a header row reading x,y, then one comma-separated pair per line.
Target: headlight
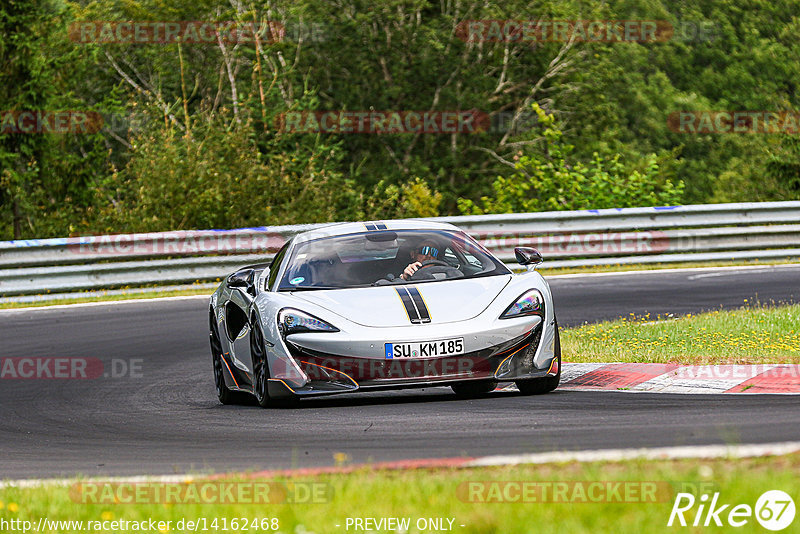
x,y
529,303
294,321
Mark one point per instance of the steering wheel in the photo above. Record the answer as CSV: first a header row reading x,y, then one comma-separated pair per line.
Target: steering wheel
x,y
431,267
434,262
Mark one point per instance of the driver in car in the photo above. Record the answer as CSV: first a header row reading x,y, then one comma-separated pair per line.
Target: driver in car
x,y
426,255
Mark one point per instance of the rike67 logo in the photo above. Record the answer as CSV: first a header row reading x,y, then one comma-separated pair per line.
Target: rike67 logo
x,y
774,510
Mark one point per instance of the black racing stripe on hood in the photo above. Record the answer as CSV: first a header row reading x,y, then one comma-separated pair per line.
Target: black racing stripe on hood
x,y
411,310
424,314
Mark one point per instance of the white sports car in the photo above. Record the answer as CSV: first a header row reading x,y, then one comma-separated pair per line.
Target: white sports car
x,y
395,304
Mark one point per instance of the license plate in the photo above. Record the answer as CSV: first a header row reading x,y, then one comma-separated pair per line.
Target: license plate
x,y
425,349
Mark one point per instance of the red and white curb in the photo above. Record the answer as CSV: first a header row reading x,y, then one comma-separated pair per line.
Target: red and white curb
x,y
676,378
602,455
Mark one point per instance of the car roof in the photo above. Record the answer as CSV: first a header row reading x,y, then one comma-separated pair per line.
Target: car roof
x,y
372,226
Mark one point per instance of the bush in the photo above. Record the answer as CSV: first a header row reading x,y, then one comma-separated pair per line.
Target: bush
x,y
218,178
549,181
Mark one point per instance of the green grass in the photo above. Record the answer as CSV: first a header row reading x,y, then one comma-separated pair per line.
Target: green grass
x,y
78,299
750,335
445,493
618,267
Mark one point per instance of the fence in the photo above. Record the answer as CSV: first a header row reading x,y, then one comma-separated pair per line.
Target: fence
x,y
699,233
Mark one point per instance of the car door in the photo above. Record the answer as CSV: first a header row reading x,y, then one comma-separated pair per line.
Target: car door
x,y
239,295
243,286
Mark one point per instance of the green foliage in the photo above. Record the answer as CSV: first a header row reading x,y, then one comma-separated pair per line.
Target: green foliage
x,y
554,180
192,138
408,200
218,179
46,179
784,166
23,86
764,169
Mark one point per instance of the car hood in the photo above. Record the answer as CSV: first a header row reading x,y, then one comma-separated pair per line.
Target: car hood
x,y
447,301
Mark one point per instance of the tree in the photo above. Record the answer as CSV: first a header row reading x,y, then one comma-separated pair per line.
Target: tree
x,y
25,85
553,180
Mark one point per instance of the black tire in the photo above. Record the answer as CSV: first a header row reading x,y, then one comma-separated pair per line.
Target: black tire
x,y
260,366
225,395
473,389
539,386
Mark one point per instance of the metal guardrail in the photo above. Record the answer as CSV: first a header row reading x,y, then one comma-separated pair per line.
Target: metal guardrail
x,y
769,230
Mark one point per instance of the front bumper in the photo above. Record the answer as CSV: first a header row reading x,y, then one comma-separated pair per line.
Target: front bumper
x,y
330,374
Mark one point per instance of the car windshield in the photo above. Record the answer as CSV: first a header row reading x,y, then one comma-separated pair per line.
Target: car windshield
x,y
380,258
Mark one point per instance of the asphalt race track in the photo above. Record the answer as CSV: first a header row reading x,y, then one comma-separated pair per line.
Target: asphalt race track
x,y
168,420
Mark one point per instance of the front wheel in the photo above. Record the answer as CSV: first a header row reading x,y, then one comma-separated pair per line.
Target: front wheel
x,y
260,366
538,386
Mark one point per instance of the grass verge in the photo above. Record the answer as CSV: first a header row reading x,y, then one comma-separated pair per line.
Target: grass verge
x,y
569,498
750,335
618,267
111,297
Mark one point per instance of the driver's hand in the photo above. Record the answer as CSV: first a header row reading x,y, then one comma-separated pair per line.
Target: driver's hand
x,y
409,271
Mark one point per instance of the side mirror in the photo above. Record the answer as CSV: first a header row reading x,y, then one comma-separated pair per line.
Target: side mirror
x,y
528,256
240,278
